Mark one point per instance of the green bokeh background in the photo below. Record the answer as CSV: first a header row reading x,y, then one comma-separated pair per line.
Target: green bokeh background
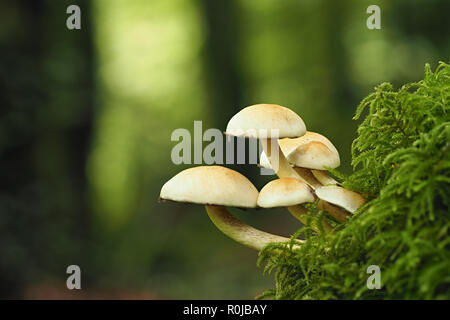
x,y
87,115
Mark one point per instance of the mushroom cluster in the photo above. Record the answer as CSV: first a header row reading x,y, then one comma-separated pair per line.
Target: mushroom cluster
x,y
300,158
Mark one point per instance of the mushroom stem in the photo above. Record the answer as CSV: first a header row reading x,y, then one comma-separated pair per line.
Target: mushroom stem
x,y
286,171
308,176
299,212
324,178
241,232
339,214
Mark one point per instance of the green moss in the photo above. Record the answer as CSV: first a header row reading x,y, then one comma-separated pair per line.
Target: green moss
x,y
401,160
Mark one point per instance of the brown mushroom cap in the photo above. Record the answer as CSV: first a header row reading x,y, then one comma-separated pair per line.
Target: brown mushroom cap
x,y
213,185
284,192
258,121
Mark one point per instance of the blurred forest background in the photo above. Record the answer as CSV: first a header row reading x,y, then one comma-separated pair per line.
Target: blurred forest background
x,y
86,119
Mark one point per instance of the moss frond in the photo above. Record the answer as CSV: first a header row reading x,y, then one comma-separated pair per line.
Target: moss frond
x,y
401,157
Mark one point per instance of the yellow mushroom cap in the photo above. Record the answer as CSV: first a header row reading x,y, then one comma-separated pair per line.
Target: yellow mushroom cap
x,y
259,120
213,185
347,199
284,192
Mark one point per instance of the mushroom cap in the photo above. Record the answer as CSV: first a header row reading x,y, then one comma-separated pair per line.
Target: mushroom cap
x,y
284,192
288,145
313,155
314,136
213,185
347,199
259,120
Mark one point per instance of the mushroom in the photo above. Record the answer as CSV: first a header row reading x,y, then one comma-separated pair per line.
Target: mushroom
x,y
337,198
291,193
305,174
259,120
316,155
269,122
314,152
313,155
309,153
217,187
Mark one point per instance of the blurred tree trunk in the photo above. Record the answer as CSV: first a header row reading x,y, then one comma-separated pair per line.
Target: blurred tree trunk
x,y
224,74
46,81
